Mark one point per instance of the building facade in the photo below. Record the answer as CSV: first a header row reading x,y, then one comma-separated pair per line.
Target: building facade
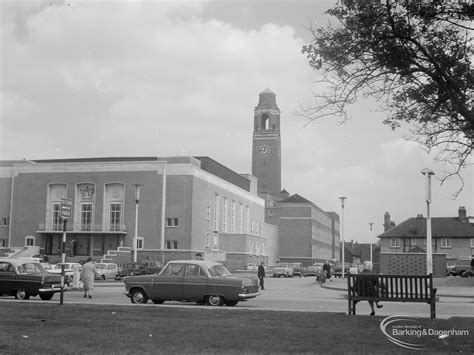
x,y
453,236
190,204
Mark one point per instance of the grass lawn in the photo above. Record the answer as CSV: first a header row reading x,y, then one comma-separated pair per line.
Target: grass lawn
x,y
95,329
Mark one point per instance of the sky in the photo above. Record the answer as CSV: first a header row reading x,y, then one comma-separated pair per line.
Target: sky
x,y
165,78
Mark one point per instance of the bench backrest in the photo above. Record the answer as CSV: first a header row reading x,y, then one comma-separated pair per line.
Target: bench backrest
x,y
391,286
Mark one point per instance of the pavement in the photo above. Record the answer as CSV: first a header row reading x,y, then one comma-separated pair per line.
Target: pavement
x,y
451,286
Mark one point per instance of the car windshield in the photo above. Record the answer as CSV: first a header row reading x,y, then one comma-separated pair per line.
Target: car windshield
x,y
27,268
100,266
219,270
284,265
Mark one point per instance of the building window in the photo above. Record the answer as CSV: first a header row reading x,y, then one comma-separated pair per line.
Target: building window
x,y
140,242
115,216
216,241
57,216
232,217
472,242
395,243
5,221
247,222
264,249
29,241
171,244
413,242
208,213
225,216
208,240
216,212
241,218
251,247
445,242
172,222
257,247
86,216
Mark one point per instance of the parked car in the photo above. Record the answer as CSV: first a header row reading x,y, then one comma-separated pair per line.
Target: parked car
x,y
145,268
69,269
463,267
283,269
106,271
312,270
336,269
200,281
251,267
298,269
24,278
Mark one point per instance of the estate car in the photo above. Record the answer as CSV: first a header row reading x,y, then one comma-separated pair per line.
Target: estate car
x,y
200,281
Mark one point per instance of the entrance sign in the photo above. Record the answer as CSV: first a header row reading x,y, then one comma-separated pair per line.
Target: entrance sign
x,y
66,207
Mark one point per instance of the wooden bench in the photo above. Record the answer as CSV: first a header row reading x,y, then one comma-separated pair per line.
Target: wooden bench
x,y
394,288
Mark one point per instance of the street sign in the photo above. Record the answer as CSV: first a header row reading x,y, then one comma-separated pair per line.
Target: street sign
x,y
66,208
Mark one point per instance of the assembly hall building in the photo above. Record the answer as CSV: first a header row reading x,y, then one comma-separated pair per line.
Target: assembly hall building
x,y
166,208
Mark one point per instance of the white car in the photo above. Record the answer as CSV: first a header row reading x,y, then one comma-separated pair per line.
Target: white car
x,y
283,269
106,271
69,269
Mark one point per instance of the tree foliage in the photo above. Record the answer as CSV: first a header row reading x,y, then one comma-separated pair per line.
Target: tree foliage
x,y
413,57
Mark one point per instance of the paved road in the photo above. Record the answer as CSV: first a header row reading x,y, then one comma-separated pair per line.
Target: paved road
x,y
294,294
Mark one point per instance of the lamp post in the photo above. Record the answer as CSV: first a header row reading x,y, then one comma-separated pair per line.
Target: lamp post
x,y
429,252
342,198
371,224
135,237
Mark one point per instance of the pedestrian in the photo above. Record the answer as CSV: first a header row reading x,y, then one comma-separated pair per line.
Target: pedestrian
x,y
88,273
327,269
261,274
368,286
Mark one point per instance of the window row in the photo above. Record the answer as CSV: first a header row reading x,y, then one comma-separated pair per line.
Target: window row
x,y
444,242
235,217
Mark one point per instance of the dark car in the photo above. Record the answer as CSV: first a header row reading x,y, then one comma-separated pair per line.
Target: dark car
x,y
463,268
145,268
23,278
337,269
194,281
312,270
298,269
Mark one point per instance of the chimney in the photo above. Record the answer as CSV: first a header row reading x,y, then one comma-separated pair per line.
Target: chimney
x,y
386,221
462,215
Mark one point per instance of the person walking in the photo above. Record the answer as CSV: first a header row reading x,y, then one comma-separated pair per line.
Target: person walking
x,y
261,274
327,269
88,273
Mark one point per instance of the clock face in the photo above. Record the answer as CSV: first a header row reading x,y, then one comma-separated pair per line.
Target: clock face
x,y
264,150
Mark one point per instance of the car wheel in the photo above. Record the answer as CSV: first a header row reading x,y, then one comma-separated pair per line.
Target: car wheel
x,y
21,294
46,296
156,301
231,303
466,273
214,300
139,296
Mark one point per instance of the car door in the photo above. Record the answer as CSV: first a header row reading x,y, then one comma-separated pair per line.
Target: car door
x,y
7,276
195,282
169,284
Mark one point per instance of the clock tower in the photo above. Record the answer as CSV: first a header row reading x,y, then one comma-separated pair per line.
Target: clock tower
x,y
266,147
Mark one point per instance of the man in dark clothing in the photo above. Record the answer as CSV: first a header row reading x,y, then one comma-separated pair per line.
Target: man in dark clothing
x,y
261,274
327,269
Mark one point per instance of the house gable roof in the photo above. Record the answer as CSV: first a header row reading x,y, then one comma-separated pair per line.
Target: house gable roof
x,y
440,227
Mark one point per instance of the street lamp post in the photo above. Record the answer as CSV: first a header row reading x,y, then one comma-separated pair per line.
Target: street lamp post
x,y
342,198
429,251
135,237
371,224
